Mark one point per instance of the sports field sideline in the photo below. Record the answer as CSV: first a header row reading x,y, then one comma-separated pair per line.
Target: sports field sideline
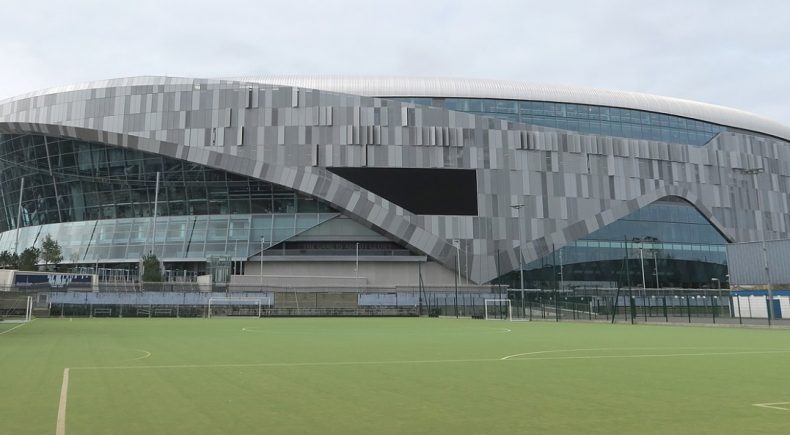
x,y
357,375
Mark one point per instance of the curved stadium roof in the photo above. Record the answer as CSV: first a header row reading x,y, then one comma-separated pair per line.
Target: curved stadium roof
x,y
384,86
514,90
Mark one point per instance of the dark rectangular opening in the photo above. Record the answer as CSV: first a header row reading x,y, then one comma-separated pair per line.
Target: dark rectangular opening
x,y
427,191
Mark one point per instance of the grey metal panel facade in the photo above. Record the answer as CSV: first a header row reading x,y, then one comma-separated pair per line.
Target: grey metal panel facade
x,y
747,263
513,90
383,86
573,184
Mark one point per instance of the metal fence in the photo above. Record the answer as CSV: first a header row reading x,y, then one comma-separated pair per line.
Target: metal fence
x,y
689,306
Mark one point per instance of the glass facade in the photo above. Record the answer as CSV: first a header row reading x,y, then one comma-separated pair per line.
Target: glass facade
x,y
97,201
73,181
584,118
672,236
185,238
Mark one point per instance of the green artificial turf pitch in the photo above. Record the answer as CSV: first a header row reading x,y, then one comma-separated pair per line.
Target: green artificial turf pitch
x,y
380,376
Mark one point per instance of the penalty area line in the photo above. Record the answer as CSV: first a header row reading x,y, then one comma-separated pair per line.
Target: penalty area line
x,y
648,355
603,349
60,427
17,326
774,405
437,361
9,330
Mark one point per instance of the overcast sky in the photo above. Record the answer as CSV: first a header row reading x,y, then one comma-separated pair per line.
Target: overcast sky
x,y
732,53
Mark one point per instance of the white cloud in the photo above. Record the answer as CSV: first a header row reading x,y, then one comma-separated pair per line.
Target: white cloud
x,y
732,53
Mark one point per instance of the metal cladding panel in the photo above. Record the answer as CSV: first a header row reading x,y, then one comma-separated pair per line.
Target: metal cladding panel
x,y
384,86
516,90
746,262
572,184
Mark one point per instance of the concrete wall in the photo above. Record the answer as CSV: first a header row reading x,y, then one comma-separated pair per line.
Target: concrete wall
x,y
7,278
341,274
756,306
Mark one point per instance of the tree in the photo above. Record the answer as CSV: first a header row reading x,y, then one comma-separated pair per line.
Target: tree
x,y
28,259
50,251
152,272
9,260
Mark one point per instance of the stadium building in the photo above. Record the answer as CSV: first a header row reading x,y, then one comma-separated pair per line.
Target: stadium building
x,y
381,181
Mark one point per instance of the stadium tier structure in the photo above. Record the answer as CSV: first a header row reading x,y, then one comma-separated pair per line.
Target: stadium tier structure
x,y
365,180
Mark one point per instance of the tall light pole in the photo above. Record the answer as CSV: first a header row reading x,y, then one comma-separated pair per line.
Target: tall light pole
x,y
754,172
457,244
562,277
642,263
768,283
19,216
718,297
263,239
642,259
356,264
156,208
518,208
655,262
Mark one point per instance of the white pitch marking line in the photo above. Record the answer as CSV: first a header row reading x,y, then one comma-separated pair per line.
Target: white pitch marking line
x,y
439,361
147,354
772,405
596,349
287,364
60,427
600,349
17,326
245,329
653,355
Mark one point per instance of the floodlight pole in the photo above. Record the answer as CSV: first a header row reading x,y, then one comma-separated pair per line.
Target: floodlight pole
x,y
628,280
19,216
556,294
518,207
263,239
768,282
644,284
562,277
356,265
156,210
718,287
754,172
457,244
655,262
642,260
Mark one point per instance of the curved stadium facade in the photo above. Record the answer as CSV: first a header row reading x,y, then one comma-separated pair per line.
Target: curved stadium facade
x,y
381,181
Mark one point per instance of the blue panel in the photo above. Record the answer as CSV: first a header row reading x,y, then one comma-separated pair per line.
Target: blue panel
x,y
777,308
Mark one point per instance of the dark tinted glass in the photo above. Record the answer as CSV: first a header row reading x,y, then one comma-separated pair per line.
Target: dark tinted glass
x,y
67,181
